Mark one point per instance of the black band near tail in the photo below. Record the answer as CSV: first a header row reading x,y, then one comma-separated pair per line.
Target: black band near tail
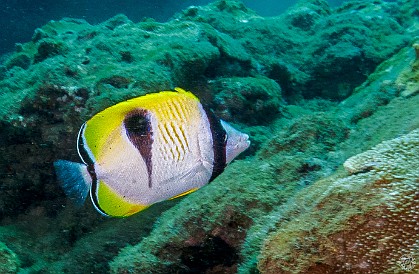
x,y
219,140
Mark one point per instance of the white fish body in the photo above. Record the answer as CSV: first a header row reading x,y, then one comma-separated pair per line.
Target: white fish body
x,y
149,149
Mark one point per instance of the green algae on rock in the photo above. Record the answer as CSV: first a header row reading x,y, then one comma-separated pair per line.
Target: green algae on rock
x,y
9,262
205,227
93,67
264,182
311,50
249,100
308,56
399,115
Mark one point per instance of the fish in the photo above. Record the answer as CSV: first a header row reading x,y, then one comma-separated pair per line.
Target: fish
x,y
148,149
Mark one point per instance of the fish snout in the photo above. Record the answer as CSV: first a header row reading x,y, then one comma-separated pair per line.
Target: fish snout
x,y
242,143
245,140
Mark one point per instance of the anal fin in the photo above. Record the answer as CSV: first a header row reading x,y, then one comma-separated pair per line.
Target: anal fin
x,y
184,193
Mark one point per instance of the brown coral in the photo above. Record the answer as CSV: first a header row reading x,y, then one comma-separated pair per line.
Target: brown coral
x,y
361,223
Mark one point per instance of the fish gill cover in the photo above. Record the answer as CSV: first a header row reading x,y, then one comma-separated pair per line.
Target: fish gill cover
x,y
313,87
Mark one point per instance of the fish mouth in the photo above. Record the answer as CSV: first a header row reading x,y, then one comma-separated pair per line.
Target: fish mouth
x,y
246,141
243,143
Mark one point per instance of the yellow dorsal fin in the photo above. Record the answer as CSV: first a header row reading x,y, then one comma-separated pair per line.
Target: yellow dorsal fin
x,y
102,125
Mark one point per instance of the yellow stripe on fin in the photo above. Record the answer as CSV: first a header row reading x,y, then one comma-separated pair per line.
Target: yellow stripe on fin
x,y
114,204
184,193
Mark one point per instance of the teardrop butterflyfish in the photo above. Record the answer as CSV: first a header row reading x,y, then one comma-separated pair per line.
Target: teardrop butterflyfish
x,y
148,149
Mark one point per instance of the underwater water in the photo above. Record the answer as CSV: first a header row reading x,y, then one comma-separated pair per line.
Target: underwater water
x,y
19,18
313,167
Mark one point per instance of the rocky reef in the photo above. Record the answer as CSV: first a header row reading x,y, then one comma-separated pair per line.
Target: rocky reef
x,y
328,96
364,219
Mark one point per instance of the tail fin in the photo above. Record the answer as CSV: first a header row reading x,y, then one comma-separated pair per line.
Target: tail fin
x,y
74,179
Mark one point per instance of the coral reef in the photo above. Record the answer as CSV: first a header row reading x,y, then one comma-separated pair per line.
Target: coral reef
x,y
309,147
179,241
311,50
361,222
314,87
71,70
247,100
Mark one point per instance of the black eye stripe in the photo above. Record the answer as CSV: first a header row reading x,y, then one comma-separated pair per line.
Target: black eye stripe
x,y
84,155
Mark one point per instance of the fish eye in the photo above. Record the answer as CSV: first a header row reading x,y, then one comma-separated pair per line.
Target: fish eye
x,y
136,124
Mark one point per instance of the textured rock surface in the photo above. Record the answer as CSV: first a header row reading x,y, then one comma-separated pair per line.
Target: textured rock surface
x,y
385,121
315,142
9,263
71,70
246,99
361,222
312,50
248,69
213,241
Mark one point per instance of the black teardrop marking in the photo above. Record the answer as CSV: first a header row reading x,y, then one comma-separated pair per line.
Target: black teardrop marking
x,y
219,142
138,128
